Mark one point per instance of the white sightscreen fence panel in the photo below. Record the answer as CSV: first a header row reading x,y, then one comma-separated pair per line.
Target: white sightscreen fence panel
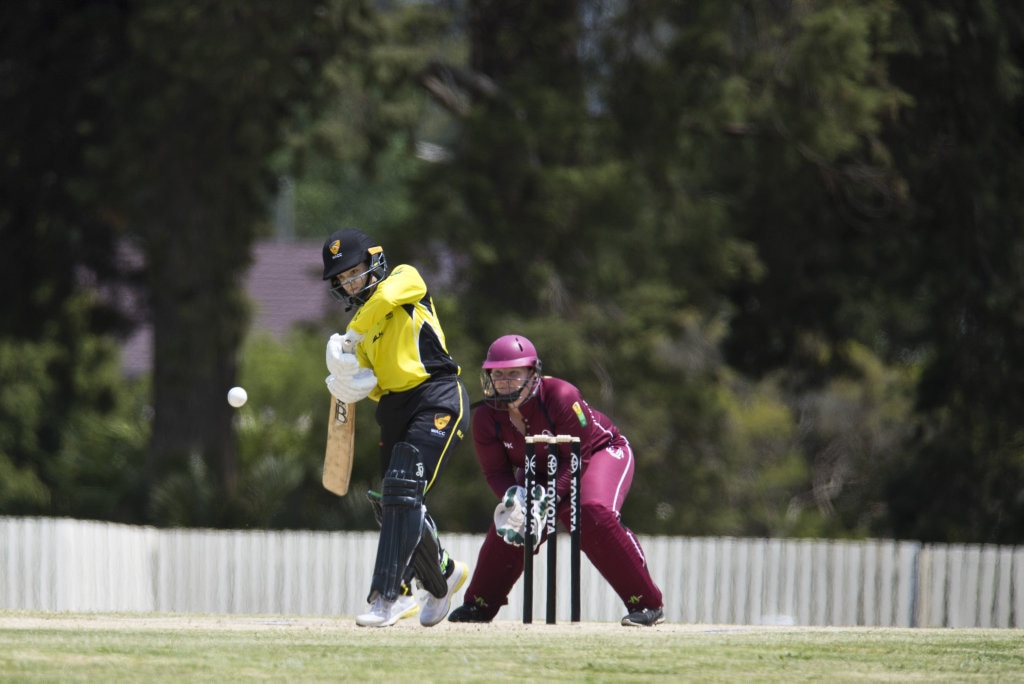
x,y
971,586
72,565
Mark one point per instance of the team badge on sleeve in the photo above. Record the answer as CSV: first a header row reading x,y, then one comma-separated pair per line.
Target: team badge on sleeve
x,y
441,421
579,413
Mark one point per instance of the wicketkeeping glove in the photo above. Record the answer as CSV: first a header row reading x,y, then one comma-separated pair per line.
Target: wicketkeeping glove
x,y
510,514
353,388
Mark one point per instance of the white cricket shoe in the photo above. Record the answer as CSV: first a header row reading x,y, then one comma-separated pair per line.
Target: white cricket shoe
x,y
435,609
384,613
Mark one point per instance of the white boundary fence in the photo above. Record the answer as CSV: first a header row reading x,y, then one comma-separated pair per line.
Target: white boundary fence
x,y
56,564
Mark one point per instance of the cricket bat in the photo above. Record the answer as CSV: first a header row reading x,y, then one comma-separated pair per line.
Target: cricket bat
x,y
341,433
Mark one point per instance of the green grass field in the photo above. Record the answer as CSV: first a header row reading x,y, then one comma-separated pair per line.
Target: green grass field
x,y
179,648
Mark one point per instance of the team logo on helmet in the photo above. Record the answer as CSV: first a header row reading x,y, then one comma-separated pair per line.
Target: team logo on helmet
x,y
335,248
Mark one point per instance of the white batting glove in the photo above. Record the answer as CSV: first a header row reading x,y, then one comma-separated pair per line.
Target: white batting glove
x,y
349,341
339,363
364,380
353,388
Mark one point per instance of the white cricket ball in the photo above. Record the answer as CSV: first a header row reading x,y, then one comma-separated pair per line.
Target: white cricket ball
x,y
237,396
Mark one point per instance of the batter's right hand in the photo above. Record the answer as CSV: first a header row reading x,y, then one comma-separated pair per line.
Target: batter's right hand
x,y
349,341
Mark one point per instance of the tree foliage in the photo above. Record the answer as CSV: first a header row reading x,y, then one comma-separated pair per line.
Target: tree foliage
x,y
728,229
210,113
60,266
619,219
962,263
777,242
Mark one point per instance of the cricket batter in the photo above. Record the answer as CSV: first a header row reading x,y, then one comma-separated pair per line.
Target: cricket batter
x,y
394,352
520,401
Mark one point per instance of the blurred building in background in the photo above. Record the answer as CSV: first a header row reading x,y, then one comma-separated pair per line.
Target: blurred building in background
x,y
284,287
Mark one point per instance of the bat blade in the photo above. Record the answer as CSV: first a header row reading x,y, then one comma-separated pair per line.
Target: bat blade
x,y
341,433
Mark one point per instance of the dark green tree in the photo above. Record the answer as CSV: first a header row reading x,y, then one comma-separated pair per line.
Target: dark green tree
x,y
961,259
641,196
778,242
205,96
777,117
557,238
57,250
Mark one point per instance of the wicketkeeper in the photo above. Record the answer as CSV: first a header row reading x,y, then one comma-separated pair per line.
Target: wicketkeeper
x,y
520,401
394,353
